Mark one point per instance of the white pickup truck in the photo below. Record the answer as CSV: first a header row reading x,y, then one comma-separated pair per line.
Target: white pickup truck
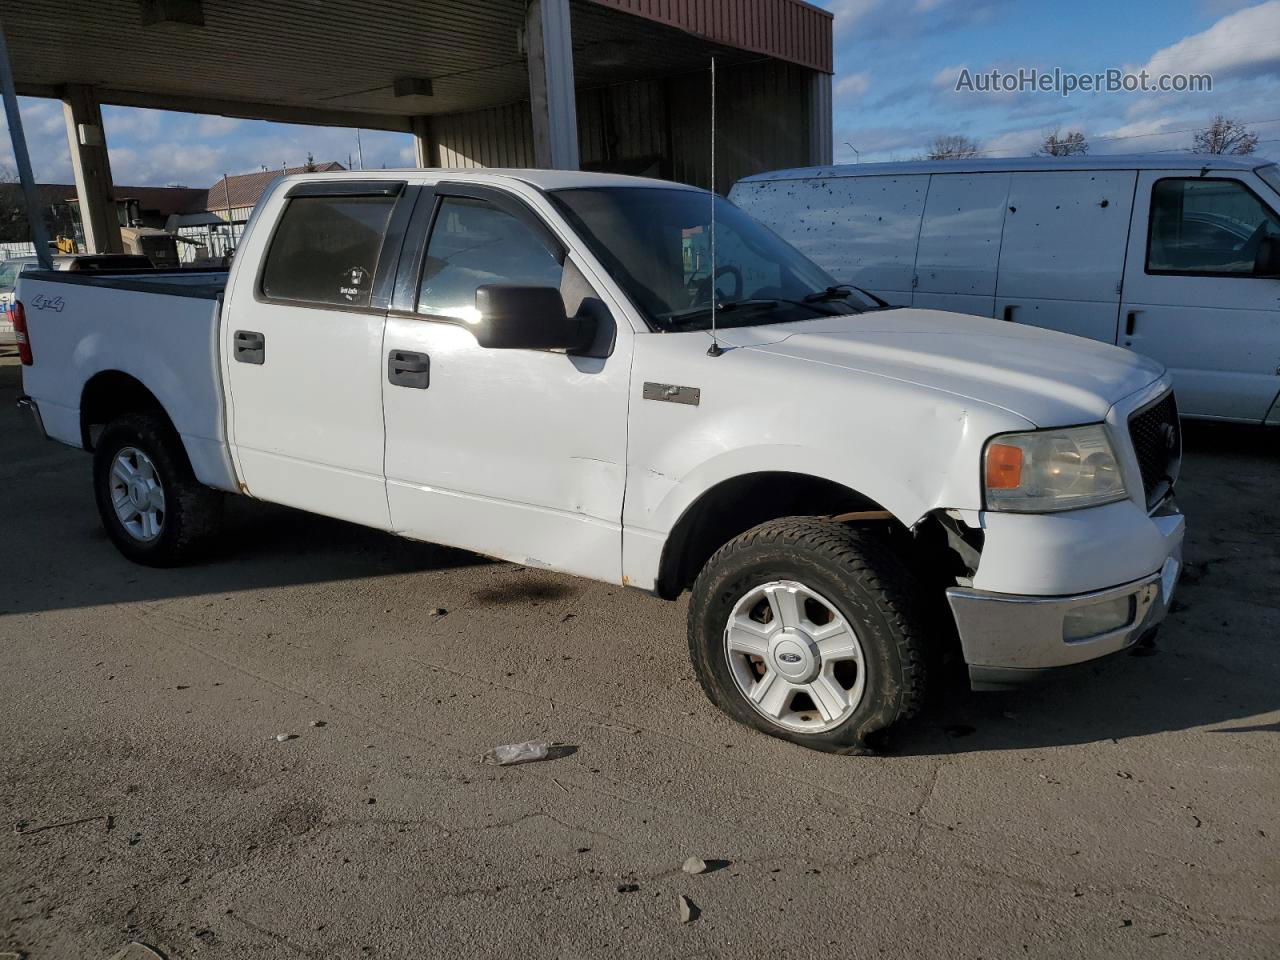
x,y
522,364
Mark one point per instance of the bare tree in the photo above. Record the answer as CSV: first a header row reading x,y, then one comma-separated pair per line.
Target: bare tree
x,y
1073,144
1225,135
310,165
952,146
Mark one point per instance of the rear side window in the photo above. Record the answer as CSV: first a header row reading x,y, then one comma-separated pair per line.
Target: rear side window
x,y
325,250
1207,227
474,243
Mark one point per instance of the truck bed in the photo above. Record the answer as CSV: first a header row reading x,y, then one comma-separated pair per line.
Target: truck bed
x,y
161,329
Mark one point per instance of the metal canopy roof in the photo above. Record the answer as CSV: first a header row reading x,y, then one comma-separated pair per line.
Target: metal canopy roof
x,y
336,61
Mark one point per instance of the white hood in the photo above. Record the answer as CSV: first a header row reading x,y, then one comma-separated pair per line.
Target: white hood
x,y
1049,378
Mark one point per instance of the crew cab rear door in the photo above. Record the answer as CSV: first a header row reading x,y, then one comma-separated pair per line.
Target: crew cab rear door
x,y
302,347
514,453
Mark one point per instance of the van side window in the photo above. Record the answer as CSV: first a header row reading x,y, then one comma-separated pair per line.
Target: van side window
x,y
325,250
1203,226
472,244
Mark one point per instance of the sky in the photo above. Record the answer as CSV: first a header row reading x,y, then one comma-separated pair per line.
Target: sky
x,y
897,63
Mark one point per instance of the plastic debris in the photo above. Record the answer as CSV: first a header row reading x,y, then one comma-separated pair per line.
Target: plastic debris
x,y
318,723
513,753
695,865
282,737
627,887
687,909
137,951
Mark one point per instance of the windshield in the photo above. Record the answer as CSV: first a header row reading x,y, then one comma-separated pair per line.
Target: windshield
x,y
1270,175
656,243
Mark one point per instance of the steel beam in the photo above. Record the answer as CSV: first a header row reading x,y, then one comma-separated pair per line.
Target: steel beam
x,y
35,214
549,47
820,140
91,166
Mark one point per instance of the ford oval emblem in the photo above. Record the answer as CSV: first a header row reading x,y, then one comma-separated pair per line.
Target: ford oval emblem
x,y
789,657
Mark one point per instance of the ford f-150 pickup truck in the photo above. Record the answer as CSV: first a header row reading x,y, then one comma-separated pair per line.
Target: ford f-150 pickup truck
x,y
559,369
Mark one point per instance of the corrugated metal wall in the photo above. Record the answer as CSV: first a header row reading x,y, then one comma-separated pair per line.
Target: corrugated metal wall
x,y
762,122
657,127
497,137
787,29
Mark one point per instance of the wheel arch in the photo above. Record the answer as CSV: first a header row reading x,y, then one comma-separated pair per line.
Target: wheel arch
x,y
736,504
110,394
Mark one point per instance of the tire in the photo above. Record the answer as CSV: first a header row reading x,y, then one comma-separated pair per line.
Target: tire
x,y
808,568
184,514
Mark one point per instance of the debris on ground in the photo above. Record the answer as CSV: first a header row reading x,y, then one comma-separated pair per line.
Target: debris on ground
x,y
627,887
694,865
513,753
437,612
137,951
319,723
282,737
688,909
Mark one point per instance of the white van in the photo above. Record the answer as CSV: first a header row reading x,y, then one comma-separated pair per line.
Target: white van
x,y
1175,255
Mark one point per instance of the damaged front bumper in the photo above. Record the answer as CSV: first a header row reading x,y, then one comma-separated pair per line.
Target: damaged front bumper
x,y
1009,640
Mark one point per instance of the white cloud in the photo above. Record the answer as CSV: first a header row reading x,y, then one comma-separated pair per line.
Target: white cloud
x,y
853,85
1241,43
849,12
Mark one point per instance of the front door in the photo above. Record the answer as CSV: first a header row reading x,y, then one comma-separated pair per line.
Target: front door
x,y
303,346
518,454
1191,296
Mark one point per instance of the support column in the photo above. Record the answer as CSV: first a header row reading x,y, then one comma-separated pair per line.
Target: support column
x,y
426,149
549,46
820,139
88,144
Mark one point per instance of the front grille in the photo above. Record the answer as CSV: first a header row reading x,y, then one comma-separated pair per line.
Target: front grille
x,y
1157,440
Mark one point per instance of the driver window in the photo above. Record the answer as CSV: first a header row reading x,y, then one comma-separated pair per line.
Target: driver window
x,y
473,243
1206,227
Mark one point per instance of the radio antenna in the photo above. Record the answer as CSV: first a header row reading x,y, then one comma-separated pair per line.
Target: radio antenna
x,y
714,350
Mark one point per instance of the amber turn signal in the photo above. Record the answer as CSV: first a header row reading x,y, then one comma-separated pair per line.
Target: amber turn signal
x,y
1004,466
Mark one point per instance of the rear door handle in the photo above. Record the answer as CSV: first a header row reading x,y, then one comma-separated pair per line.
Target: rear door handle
x,y
250,347
1008,312
407,369
1130,320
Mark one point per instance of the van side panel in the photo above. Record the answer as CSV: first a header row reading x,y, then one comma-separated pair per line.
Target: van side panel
x,y
859,229
959,247
1062,260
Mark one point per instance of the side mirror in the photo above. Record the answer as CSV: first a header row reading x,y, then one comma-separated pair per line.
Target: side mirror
x,y
1267,261
528,318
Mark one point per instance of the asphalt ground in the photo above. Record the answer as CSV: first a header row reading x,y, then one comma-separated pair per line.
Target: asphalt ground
x,y
1131,810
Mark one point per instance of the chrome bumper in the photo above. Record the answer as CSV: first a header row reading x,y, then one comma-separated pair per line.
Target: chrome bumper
x,y
29,405
1009,639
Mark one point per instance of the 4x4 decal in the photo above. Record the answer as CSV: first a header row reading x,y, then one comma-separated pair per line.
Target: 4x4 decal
x,y
41,302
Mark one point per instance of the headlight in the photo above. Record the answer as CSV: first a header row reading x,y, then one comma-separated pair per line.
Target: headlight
x,y
1051,470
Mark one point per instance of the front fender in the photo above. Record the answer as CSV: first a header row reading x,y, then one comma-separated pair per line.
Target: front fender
x,y
909,448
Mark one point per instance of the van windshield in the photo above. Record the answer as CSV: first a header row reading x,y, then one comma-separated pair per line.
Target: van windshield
x,y
1270,175
656,243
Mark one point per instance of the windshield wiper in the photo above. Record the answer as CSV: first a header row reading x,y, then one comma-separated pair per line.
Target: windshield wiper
x,y
841,292
681,317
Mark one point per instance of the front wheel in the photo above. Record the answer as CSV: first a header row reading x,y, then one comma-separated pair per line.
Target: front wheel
x,y
812,631
151,504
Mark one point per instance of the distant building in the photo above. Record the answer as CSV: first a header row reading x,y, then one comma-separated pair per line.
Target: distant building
x,y
214,216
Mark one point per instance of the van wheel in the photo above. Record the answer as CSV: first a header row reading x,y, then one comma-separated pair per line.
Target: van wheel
x,y
811,631
151,504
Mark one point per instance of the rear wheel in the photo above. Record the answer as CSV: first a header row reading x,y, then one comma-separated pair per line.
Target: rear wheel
x,y
151,504
812,631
